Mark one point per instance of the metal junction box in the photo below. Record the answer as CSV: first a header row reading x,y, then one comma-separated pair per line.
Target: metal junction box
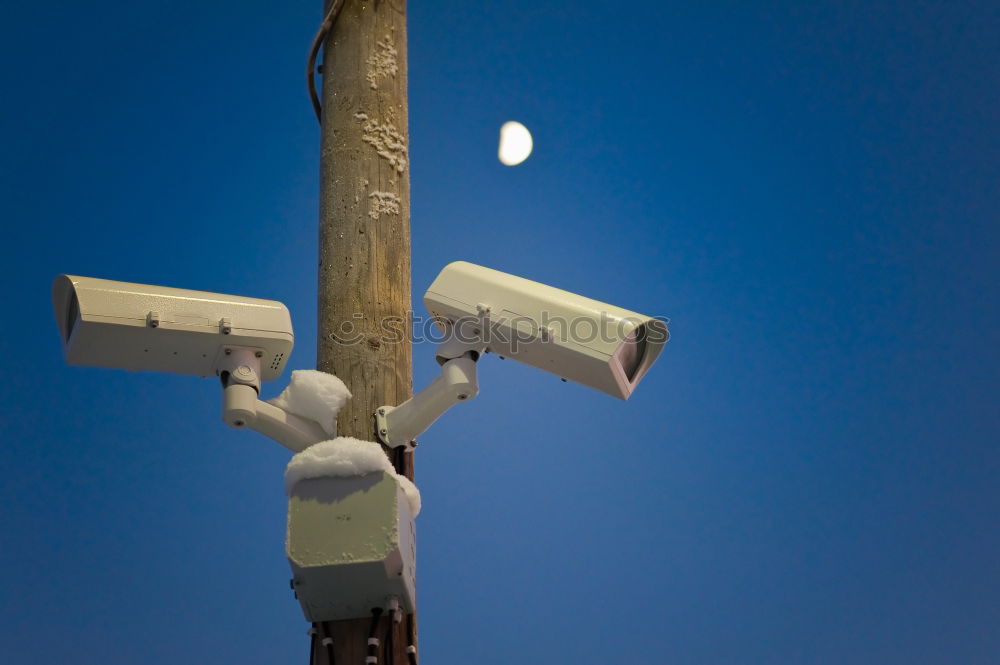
x,y
350,543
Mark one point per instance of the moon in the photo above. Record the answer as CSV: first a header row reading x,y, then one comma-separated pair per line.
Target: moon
x,y
515,143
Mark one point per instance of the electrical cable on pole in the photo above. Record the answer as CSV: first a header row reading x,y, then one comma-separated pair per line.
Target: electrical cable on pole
x,y
389,646
411,640
317,44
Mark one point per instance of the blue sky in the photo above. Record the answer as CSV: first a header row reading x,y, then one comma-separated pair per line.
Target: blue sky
x,y
809,191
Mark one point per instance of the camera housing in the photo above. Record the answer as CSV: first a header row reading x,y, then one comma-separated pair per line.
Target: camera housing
x,y
104,323
576,338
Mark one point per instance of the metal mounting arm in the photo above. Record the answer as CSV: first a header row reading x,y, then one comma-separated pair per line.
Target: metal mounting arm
x,y
400,425
241,408
240,374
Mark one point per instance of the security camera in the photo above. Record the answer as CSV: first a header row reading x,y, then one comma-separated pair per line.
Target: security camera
x,y
243,341
579,339
104,323
480,310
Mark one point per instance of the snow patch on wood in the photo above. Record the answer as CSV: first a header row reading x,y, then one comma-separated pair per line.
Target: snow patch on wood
x,y
383,203
388,142
382,62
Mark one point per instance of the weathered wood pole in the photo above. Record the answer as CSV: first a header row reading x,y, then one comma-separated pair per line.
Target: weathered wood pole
x,y
364,238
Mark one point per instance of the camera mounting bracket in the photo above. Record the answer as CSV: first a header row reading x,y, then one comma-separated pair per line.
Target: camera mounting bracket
x,y
401,425
239,370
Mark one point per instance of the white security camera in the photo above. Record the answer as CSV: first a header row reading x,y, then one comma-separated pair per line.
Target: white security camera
x,y
482,310
241,340
579,339
159,329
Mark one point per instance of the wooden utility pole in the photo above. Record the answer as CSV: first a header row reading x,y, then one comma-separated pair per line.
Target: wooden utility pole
x,y
364,239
